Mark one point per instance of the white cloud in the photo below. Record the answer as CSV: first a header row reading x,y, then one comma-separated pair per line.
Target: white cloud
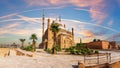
x,y
8,16
28,19
33,28
96,8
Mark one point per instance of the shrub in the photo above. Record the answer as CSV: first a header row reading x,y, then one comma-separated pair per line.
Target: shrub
x,y
57,47
72,51
49,50
79,46
67,50
80,50
83,52
28,48
96,51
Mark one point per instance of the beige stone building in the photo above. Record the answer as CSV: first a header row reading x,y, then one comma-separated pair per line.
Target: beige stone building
x,y
64,38
102,45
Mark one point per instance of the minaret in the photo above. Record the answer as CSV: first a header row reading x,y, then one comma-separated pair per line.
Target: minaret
x,y
64,26
73,31
43,22
72,36
48,23
59,18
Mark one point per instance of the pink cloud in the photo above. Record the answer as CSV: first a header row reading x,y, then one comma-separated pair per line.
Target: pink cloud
x,y
12,25
19,32
46,2
36,2
81,3
96,7
6,29
87,33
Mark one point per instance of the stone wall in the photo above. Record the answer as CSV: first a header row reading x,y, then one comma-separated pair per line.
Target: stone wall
x,y
98,45
4,52
95,45
106,65
105,45
14,52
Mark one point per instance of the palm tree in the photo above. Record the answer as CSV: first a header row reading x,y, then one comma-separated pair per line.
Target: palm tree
x,y
22,41
33,37
55,28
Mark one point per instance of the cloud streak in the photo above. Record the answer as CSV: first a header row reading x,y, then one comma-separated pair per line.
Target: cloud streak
x,y
87,34
96,8
6,29
12,29
28,19
8,16
76,21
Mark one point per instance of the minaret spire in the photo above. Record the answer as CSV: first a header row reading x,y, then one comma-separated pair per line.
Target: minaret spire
x,y
43,22
59,18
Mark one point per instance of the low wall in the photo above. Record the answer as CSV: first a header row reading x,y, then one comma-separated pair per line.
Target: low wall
x,y
24,53
14,52
106,65
4,52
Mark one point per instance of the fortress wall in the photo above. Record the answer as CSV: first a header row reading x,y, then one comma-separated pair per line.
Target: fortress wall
x,y
95,45
105,45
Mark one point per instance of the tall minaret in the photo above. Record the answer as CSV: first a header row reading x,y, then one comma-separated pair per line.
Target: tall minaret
x,y
43,22
72,36
59,18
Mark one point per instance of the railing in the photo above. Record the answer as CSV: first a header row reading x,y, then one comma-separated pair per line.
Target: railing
x,y
100,59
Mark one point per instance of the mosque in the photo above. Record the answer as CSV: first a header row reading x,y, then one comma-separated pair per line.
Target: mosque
x,y
64,38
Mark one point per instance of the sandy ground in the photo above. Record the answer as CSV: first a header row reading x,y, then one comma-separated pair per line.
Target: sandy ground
x,y
42,60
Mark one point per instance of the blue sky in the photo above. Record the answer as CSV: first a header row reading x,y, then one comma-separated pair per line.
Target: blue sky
x,y
90,18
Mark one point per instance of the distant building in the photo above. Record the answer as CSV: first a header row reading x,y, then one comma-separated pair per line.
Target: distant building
x,y
113,45
64,39
102,45
14,45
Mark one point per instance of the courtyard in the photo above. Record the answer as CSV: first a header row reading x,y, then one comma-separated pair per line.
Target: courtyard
x,y
45,60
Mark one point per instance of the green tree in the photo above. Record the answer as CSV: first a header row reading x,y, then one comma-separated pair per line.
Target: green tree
x,y
33,38
94,40
22,42
55,28
98,40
